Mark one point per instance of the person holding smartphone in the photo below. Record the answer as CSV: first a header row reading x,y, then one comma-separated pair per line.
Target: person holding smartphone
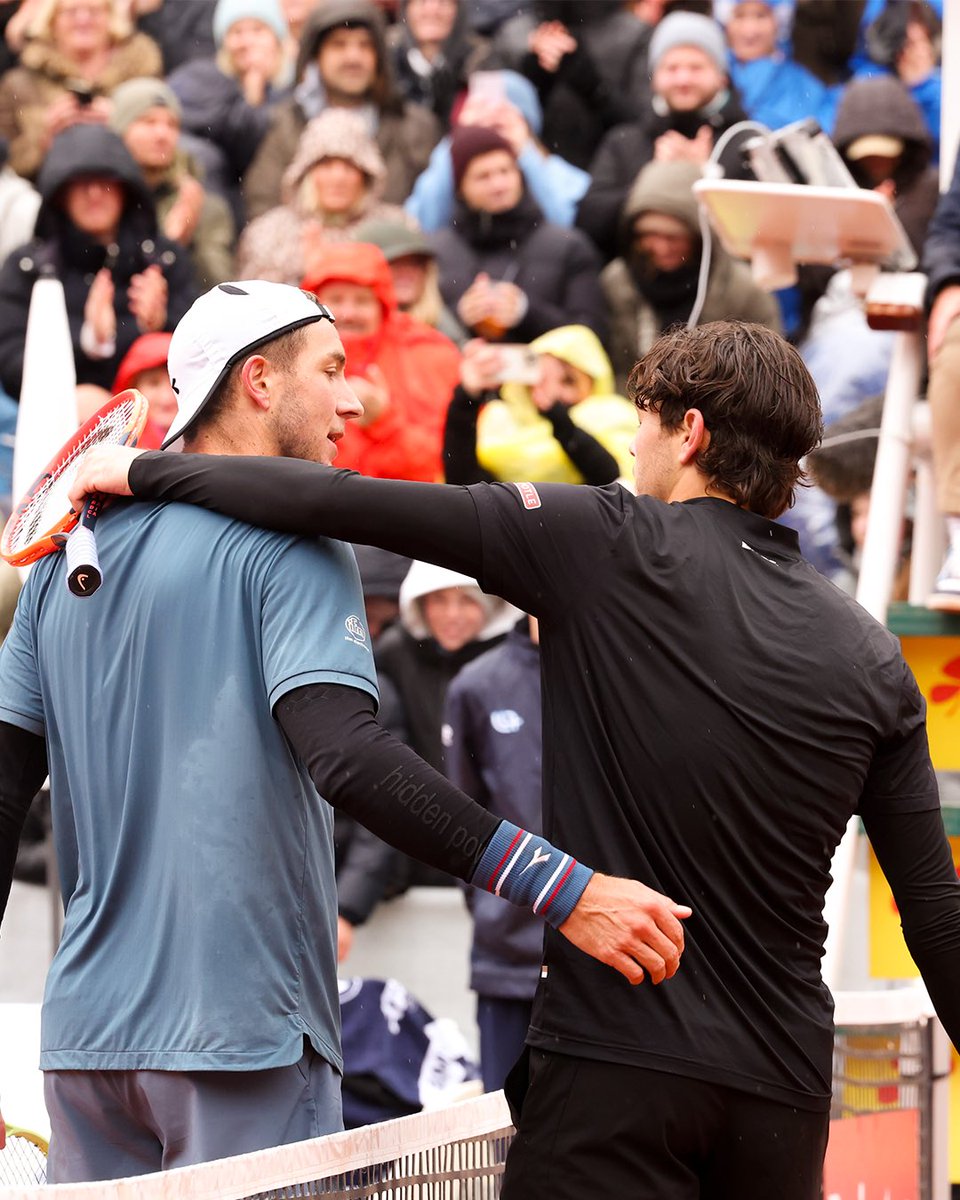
x,y
547,412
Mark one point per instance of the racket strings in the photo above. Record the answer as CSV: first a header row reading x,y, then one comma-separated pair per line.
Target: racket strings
x,y
51,497
22,1162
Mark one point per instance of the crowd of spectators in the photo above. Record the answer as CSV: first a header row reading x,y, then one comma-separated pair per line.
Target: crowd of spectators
x,y
495,199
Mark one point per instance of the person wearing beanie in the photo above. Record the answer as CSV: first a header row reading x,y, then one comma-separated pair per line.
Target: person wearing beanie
x,y
344,62
509,274
66,74
508,103
403,370
692,105
147,115
333,184
228,100
653,283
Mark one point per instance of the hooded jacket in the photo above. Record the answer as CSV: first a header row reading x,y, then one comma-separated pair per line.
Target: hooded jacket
x,y
272,245
515,441
421,670
882,105
416,664
557,269
421,367
405,133
731,292
60,248
27,91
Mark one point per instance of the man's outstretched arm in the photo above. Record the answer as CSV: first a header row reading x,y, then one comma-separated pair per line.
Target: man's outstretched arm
x,y
357,766
432,521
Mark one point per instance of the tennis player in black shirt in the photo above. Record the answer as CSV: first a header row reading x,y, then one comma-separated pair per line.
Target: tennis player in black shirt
x,y
714,713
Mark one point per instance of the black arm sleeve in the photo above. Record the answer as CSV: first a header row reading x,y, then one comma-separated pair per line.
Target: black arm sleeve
x,y
358,767
914,855
432,521
23,768
594,462
460,463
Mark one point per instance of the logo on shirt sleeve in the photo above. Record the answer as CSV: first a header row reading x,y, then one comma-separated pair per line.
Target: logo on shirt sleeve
x,y
356,631
528,494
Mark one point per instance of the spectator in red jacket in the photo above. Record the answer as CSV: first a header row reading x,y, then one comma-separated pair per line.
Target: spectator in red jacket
x,y
403,370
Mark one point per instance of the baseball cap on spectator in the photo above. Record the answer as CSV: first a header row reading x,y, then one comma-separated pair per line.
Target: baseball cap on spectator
x,y
133,98
228,12
148,351
394,238
469,142
880,144
220,327
687,29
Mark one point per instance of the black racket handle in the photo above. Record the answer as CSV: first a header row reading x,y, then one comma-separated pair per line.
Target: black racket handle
x,y
83,566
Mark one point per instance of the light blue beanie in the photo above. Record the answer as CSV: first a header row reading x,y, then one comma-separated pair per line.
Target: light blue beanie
x,y
228,12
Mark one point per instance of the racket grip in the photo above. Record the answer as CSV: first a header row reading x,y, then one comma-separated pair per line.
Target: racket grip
x,y
83,565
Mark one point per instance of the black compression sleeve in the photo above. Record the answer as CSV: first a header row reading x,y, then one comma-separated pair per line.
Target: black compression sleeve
x,y
360,768
460,464
594,462
433,521
915,857
23,768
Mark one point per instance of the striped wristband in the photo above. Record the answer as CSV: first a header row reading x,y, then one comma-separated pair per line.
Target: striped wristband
x,y
527,870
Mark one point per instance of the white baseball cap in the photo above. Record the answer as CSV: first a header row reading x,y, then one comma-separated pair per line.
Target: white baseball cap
x,y
219,328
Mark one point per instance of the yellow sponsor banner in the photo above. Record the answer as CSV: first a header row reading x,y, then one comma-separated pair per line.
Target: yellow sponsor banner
x,y
935,661
890,959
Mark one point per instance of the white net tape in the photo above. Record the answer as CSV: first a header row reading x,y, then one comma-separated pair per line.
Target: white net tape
x,y
51,501
454,1153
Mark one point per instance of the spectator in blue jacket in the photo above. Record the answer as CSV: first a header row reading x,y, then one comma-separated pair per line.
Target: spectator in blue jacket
x,y
512,108
773,88
491,736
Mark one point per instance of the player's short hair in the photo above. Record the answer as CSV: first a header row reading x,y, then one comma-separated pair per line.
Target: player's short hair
x,y
758,402
283,352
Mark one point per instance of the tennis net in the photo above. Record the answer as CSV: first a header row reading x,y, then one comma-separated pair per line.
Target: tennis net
x,y
454,1153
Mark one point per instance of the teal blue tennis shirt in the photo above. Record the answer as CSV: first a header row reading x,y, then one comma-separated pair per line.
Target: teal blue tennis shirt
x,y
196,857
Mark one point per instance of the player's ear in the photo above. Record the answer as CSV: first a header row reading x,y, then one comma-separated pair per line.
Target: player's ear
x,y
255,380
696,436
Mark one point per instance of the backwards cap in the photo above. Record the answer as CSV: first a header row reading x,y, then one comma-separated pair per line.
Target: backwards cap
x,y
223,325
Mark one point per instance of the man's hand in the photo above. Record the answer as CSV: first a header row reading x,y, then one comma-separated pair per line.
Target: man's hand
x,y
480,367
98,310
147,298
629,927
477,301
104,469
551,41
946,309
184,215
674,147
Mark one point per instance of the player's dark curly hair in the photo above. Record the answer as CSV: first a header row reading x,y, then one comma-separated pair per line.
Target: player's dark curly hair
x,y
758,402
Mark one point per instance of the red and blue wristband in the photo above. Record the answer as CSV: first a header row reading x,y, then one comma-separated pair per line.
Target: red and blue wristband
x,y
527,870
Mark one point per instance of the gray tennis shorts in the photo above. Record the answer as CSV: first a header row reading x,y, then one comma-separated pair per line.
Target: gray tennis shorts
x,y
111,1124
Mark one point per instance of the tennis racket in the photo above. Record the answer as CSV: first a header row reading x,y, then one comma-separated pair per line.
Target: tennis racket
x,y
24,1159
44,522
